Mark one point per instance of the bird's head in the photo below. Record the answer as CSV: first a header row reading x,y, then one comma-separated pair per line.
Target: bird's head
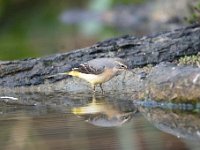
x,y
120,65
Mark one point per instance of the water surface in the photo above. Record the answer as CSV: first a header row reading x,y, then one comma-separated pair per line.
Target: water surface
x,y
59,121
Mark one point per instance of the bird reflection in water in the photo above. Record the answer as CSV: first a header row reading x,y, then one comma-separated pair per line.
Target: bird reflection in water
x,y
104,114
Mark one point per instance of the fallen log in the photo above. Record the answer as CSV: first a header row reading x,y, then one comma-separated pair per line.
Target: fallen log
x,y
161,82
153,49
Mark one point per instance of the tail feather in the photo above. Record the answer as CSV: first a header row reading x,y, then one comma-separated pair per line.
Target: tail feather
x,y
71,73
54,75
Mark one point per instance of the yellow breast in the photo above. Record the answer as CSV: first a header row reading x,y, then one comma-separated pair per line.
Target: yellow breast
x,y
92,78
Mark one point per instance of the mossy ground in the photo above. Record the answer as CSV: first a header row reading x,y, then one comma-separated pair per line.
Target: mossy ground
x,y
193,60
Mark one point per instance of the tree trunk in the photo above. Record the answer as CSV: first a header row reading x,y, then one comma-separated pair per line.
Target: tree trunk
x,y
153,49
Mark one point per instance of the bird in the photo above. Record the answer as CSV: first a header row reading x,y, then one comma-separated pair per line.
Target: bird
x,y
98,71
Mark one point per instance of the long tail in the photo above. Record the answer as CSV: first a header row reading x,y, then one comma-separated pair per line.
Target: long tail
x,y
58,74
71,73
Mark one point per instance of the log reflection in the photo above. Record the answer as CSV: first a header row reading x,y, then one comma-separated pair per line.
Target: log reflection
x,y
180,123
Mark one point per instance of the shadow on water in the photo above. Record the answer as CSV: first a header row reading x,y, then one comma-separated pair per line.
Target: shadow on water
x,y
62,121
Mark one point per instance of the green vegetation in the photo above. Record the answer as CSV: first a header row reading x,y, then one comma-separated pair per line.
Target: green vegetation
x,y
195,14
33,28
193,60
128,1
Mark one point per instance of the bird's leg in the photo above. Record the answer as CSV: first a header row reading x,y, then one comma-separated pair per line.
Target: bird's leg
x,y
101,88
94,88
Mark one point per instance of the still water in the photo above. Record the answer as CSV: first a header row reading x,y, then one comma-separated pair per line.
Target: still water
x,y
52,121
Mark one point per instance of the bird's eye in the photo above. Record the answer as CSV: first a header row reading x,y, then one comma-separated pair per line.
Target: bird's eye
x,y
123,66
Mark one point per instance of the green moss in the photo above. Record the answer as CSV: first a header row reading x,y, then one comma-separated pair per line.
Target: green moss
x,y
195,14
193,60
128,2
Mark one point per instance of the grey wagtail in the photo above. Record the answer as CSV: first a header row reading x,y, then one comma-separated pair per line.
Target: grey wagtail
x,y
99,70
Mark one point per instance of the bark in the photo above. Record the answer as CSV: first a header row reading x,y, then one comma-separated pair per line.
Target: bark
x,y
153,49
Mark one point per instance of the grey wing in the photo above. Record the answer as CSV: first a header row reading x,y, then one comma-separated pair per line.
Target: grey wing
x,y
89,69
97,66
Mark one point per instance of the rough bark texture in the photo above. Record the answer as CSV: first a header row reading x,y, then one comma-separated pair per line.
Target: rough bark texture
x,y
152,49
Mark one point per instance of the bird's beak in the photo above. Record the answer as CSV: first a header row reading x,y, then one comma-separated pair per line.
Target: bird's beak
x,y
126,68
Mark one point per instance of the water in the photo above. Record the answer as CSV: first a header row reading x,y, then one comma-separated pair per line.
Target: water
x,y
52,121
